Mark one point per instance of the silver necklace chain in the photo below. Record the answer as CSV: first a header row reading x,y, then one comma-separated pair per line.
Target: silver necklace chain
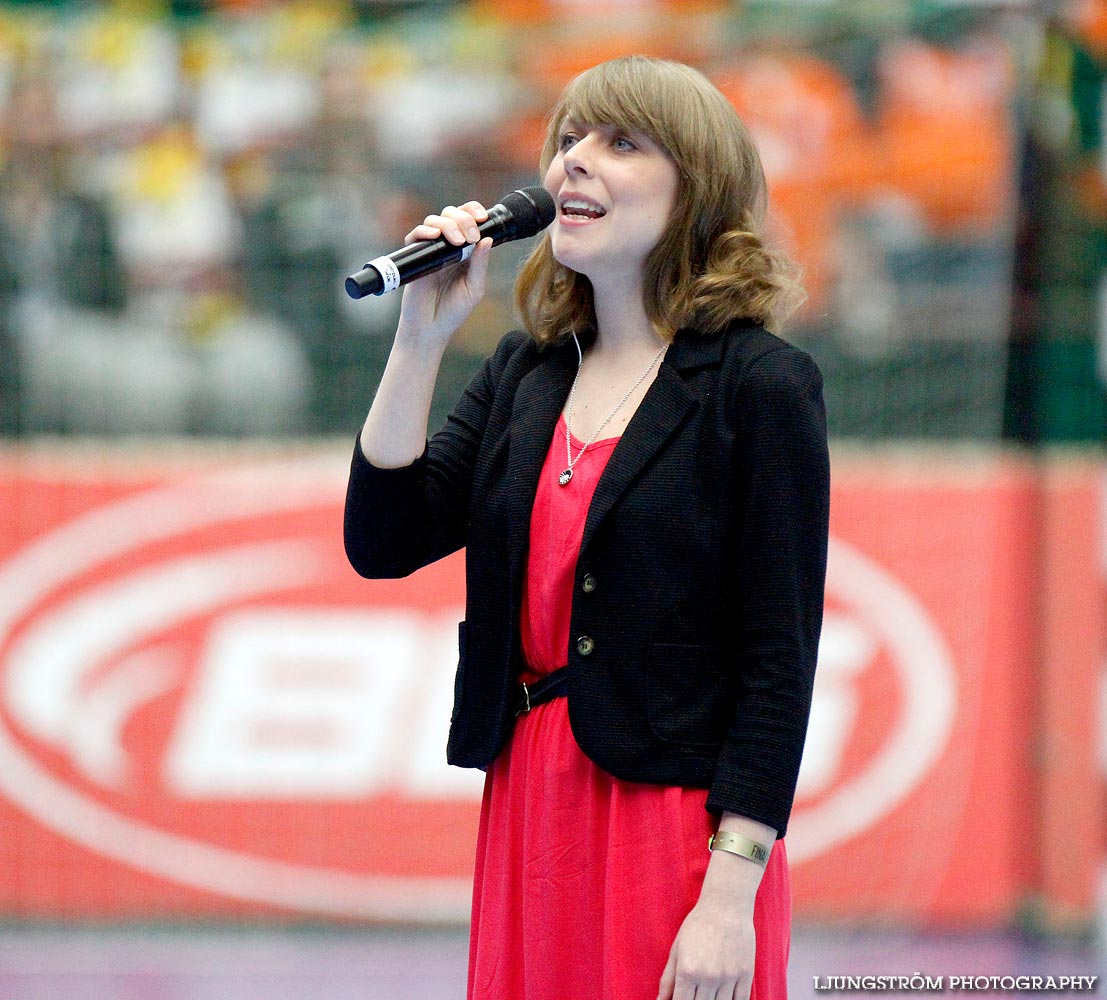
x,y
567,472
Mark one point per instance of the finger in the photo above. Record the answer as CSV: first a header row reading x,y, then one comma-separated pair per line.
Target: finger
x,y
668,977
686,989
434,226
465,221
737,989
476,210
423,232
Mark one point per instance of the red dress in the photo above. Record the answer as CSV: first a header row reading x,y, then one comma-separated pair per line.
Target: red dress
x,y
583,880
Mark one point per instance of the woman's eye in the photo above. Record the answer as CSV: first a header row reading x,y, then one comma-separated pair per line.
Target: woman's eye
x,y
622,142
567,139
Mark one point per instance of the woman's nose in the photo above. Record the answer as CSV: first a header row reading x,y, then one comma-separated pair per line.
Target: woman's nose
x,y
578,158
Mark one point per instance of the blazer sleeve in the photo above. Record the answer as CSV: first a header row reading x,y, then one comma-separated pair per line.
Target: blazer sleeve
x,y
782,507
398,520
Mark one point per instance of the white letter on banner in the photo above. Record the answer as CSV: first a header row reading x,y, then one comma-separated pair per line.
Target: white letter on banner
x,y
845,651
296,703
426,773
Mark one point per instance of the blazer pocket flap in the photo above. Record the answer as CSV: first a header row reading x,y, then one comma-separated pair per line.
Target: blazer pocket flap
x,y
690,693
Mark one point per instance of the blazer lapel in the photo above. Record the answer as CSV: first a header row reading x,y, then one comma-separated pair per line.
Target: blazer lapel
x,y
661,412
663,409
538,401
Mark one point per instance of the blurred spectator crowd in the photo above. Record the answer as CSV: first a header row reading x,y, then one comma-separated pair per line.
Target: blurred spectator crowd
x,y
183,187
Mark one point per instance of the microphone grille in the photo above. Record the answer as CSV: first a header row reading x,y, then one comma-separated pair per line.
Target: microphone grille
x,y
532,208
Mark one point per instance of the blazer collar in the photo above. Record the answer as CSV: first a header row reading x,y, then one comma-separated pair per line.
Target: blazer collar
x,y
691,349
660,414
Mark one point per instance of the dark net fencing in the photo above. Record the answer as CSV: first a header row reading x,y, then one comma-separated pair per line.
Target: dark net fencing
x,y
183,194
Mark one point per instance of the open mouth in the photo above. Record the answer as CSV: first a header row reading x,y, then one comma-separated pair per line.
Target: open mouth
x,y
581,208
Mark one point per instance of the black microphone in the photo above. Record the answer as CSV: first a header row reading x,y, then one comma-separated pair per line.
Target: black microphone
x,y
521,214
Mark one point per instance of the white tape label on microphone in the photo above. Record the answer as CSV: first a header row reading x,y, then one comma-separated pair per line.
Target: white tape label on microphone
x,y
389,272
467,252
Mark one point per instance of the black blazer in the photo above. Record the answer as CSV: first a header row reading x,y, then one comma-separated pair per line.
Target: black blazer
x,y
704,551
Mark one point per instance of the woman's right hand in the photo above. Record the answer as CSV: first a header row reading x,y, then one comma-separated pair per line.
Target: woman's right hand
x,y
435,305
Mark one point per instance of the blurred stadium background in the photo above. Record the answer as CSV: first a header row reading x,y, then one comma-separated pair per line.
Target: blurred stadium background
x,y
221,753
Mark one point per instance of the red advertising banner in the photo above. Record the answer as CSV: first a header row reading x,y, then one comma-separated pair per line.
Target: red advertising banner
x,y
1072,718
936,597
205,713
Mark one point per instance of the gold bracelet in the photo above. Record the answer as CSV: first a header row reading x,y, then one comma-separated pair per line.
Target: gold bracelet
x,y
735,843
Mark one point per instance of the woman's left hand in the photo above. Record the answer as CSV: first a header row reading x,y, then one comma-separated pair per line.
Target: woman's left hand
x,y
712,956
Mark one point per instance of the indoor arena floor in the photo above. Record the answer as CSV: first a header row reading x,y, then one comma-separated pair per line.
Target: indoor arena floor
x,y
406,964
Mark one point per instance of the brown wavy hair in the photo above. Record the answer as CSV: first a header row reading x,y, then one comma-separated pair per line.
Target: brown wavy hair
x,y
712,265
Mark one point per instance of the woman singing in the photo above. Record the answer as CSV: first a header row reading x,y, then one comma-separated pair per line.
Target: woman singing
x,y
641,483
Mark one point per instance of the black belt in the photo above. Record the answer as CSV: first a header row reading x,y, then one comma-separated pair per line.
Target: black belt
x,y
551,686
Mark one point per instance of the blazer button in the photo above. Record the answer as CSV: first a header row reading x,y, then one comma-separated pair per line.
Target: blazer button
x,y
585,645
589,583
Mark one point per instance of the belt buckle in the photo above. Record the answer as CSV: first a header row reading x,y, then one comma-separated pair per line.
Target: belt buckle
x,y
526,700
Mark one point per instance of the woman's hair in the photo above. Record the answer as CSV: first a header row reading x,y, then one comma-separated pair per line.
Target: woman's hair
x,y
711,265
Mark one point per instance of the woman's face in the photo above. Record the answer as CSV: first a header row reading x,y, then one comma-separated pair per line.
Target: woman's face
x,y
614,192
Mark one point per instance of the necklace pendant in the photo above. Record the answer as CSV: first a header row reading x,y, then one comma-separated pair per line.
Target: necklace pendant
x,y
565,476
